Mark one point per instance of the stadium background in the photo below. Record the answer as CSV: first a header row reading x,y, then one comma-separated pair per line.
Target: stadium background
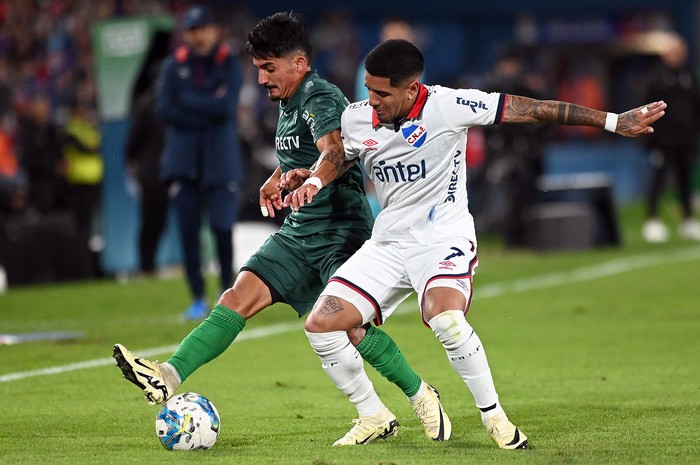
x,y
589,52
592,351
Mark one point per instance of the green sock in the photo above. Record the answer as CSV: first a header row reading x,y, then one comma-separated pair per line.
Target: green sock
x,y
207,341
380,351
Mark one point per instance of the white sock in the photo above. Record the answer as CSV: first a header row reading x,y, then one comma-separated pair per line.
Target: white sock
x,y
418,394
172,377
345,367
467,356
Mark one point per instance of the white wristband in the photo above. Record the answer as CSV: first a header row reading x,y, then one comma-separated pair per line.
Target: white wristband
x,y
611,122
315,181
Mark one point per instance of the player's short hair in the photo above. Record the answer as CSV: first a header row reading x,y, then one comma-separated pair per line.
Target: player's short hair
x,y
396,59
278,35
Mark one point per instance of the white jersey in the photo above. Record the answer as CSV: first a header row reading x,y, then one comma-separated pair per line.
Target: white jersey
x,y
418,167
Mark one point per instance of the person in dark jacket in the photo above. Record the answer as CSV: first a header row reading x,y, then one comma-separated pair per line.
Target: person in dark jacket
x,y
143,152
39,145
197,96
673,145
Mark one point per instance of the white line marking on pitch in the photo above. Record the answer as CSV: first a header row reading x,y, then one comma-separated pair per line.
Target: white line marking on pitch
x,y
488,291
250,334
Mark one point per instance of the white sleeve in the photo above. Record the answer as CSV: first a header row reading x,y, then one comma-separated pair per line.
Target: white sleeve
x,y
351,153
473,107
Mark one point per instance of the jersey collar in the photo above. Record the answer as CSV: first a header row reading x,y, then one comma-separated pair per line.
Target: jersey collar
x,y
415,110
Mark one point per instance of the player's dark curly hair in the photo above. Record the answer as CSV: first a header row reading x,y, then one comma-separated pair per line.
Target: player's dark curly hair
x,y
278,35
396,59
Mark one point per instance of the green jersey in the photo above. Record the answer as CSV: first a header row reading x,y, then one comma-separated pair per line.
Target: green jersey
x,y
313,111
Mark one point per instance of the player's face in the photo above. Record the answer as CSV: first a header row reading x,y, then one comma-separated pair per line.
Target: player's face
x,y
390,103
280,76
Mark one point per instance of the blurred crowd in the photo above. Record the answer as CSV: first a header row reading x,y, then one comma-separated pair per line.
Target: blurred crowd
x,y
50,162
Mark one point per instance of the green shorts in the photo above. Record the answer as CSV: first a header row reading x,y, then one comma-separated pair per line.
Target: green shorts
x,y
296,268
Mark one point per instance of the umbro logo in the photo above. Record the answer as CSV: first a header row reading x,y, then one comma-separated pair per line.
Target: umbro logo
x,y
370,144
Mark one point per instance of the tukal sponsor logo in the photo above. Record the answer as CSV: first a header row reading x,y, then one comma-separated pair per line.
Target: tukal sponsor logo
x,y
472,104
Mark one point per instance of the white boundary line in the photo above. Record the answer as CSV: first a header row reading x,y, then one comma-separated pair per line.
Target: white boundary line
x,y
588,273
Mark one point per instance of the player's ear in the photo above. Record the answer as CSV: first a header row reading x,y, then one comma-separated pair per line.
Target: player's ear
x,y
300,62
412,90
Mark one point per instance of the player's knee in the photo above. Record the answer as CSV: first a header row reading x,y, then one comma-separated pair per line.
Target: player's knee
x,y
439,299
231,300
451,328
320,320
332,314
314,324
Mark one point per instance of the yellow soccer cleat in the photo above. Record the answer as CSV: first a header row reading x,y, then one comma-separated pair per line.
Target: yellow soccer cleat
x,y
504,433
371,428
145,374
432,416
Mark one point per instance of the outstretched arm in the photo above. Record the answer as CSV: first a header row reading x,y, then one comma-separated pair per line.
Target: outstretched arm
x,y
631,123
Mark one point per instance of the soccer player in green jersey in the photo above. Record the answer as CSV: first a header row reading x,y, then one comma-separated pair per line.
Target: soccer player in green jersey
x,y
294,264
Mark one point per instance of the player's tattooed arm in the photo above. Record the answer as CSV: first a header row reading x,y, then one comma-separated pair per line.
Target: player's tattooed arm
x,y
334,155
631,123
328,167
528,110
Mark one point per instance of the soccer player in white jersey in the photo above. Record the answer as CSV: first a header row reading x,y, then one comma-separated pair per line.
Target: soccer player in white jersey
x,y
411,140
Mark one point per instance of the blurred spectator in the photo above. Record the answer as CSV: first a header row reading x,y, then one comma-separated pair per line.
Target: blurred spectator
x,y
84,172
506,184
13,181
257,126
673,145
5,91
39,145
394,27
143,152
580,81
197,97
336,48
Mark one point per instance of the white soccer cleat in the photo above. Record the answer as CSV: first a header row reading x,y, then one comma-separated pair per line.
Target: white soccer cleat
x,y
370,429
429,410
145,374
655,231
690,229
504,433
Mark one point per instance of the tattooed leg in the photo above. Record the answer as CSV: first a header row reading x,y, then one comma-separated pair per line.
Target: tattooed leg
x,y
326,330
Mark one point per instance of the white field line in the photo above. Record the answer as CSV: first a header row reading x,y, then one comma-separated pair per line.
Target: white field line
x,y
98,362
588,273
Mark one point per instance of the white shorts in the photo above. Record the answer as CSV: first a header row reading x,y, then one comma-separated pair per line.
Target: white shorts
x,y
379,276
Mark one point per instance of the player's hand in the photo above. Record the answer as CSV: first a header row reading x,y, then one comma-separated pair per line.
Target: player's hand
x,y
300,196
638,121
270,197
293,179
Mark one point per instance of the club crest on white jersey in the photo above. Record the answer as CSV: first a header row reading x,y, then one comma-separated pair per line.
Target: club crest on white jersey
x,y
415,134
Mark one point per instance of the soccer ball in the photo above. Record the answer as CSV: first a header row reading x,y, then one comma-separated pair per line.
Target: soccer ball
x,y
188,421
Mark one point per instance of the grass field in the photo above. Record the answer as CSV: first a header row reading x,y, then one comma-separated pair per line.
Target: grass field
x,y
595,355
